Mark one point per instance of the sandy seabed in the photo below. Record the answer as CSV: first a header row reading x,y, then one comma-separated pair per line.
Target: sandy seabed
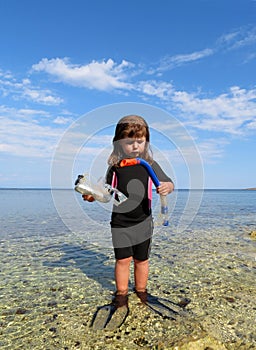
x,y
51,288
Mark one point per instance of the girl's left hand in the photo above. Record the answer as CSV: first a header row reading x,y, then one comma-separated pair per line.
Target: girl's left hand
x,y
88,198
165,188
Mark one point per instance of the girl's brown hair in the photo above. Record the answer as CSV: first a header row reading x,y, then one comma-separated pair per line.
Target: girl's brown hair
x,y
131,126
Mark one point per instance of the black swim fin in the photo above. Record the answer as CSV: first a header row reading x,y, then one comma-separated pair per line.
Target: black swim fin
x,y
163,307
117,318
111,316
102,316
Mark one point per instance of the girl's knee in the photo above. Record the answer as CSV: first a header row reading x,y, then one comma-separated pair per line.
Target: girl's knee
x,y
141,262
124,262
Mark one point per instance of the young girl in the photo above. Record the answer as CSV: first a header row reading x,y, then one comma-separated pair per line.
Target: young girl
x,y
131,221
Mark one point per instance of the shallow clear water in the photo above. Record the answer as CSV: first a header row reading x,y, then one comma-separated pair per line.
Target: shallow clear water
x,y
55,271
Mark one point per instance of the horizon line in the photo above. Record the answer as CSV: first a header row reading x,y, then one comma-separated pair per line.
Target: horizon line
x,y
176,189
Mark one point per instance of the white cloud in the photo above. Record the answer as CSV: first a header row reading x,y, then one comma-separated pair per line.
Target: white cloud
x,y
237,39
212,149
22,135
5,75
232,112
228,40
62,120
24,89
105,75
252,125
41,96
244,36
248,39
228,112
162,90
178,60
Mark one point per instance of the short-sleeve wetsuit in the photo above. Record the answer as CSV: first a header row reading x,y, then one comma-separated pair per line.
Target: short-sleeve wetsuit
x,y
131,221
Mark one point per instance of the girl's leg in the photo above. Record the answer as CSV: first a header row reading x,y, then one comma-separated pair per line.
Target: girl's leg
x,y
122,273
141,270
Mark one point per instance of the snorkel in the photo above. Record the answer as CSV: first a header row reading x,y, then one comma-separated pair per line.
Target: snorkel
x,y
152,174
104,192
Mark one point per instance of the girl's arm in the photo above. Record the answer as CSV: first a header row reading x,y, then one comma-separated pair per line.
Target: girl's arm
x,y
166,184
165,188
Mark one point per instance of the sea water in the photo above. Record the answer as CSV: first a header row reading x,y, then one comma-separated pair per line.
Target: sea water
x,y
57,263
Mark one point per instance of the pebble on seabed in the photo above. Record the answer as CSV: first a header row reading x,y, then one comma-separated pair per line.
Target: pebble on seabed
x,y
252,234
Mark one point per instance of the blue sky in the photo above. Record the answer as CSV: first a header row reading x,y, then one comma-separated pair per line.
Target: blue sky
x,y
194,60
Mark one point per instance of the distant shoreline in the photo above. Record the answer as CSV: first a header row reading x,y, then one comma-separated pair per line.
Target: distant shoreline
x,y
177,189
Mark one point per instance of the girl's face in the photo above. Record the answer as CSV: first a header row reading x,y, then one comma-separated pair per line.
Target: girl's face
x,y
133,147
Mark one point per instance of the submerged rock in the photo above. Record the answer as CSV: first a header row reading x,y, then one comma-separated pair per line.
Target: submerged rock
x,y
252,234
208,343
21,311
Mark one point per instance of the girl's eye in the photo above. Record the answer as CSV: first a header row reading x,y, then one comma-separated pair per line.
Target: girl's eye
x,y
131,142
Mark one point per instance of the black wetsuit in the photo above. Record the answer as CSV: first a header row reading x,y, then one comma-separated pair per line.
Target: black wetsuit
x,y
131,221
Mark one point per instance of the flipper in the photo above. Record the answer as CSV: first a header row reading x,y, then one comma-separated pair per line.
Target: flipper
x,y
102,316
117,318
111,316
163,307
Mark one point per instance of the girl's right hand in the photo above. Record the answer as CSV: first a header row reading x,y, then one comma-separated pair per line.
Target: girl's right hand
x,y
88,198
